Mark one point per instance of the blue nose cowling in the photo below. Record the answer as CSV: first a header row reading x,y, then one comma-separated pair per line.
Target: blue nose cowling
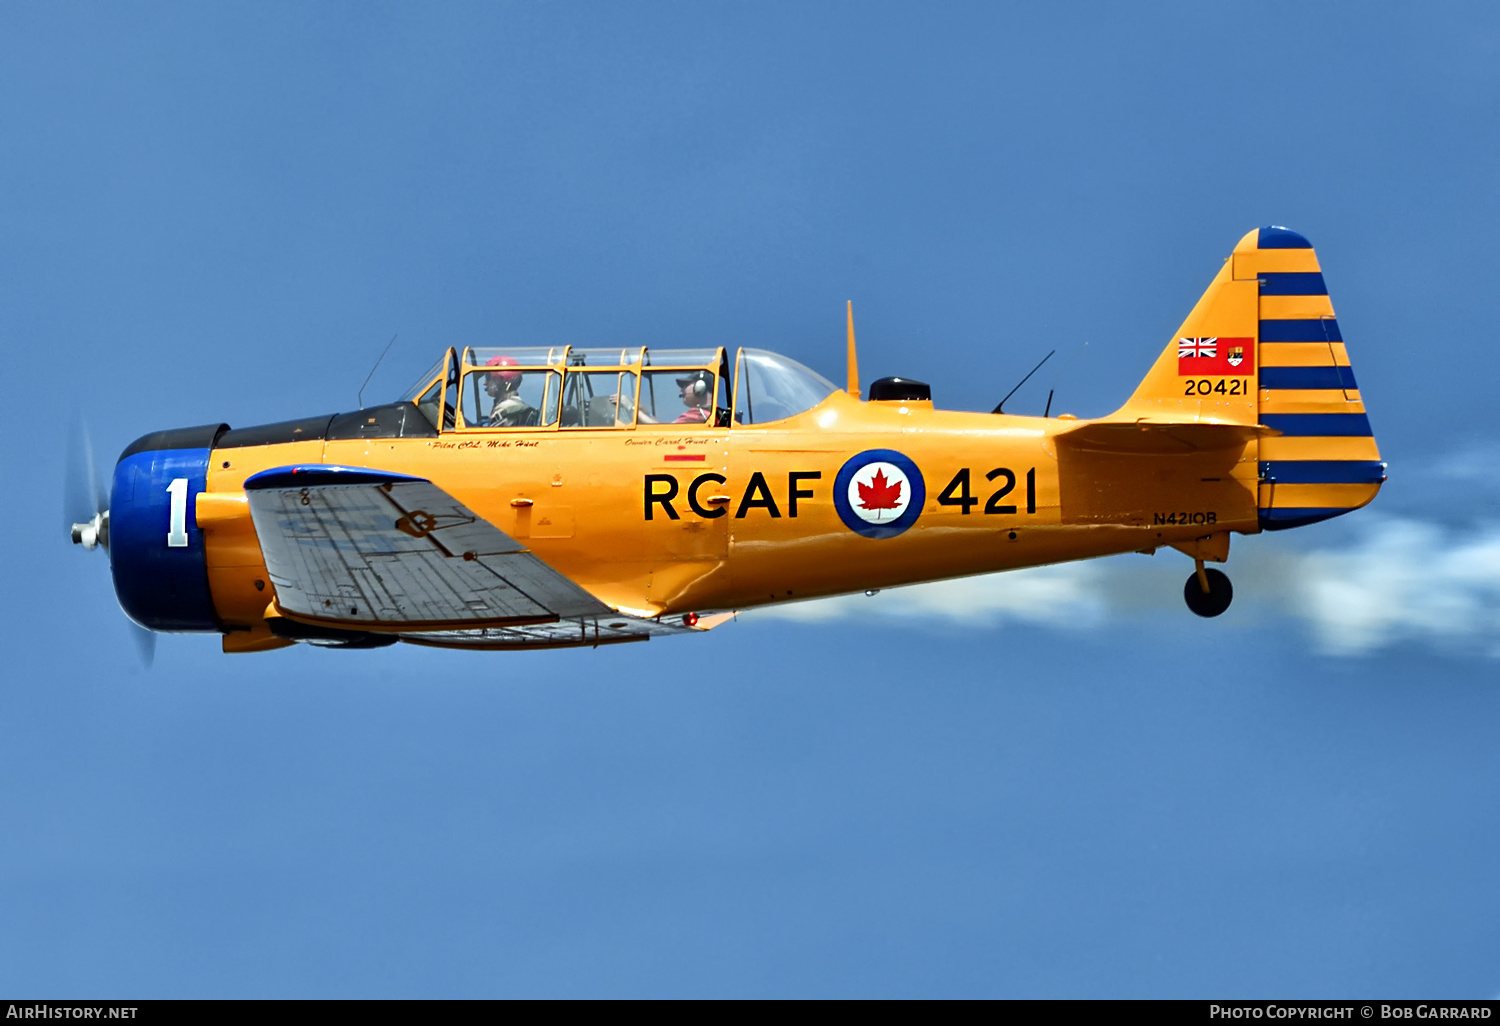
x,y
161,577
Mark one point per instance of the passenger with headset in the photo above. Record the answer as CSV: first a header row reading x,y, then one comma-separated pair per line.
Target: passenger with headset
x,y
697,395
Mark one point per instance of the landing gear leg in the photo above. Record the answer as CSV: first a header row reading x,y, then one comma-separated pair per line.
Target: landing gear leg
x,y
1208,592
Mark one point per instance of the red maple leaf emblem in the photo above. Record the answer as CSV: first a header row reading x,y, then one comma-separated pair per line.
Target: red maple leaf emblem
x,y
880,493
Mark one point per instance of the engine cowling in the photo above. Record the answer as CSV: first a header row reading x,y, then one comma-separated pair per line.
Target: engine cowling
x,y
155,548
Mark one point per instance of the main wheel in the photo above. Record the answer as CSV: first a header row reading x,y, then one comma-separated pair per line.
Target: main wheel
x,y
1220,593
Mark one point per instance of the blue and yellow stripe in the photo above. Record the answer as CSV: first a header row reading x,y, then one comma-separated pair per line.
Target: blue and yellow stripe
x,y
1324,461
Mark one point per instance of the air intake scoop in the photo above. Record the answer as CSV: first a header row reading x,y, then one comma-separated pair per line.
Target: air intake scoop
x,y
888,390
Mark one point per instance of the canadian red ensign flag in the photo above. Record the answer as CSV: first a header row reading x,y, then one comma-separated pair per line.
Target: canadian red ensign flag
x,y
1210,356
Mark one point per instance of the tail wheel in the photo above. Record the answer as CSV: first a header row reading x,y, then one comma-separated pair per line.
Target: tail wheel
x,y
1213,601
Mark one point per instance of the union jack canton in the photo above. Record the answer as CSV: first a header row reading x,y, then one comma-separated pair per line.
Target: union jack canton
x,y
1198,347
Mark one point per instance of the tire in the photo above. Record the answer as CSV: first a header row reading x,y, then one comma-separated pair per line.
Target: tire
x,y
1220,593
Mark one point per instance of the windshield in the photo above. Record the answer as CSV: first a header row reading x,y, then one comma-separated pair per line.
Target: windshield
x,y
774,387
421,383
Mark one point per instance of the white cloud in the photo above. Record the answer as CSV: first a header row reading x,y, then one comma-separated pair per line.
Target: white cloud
x,y
1059,596
1397,580
1404,579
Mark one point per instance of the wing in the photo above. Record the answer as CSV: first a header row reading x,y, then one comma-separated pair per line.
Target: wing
x,y
369,550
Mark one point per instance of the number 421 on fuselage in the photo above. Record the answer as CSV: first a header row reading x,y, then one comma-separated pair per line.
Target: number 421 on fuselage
x,y
540,497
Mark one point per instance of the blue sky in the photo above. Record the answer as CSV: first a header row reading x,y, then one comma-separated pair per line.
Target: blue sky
x,y
1056,783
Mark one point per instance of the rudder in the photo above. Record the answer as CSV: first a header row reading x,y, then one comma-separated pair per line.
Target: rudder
x,y
1324,461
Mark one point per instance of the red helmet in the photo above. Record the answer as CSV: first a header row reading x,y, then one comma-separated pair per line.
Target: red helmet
x,y
509,377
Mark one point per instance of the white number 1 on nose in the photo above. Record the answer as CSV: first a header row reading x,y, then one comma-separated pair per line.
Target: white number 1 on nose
x,y
177,528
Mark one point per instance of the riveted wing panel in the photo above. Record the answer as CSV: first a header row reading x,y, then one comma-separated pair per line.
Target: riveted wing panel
x,y
391,552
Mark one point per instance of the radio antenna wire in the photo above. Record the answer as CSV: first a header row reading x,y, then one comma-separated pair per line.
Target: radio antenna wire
x,y
1001,407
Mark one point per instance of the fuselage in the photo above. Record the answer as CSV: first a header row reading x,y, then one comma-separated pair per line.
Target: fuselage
x,y
662,519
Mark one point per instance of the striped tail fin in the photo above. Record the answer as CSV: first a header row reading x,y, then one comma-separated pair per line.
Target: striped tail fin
x,y
1262,347
1324,462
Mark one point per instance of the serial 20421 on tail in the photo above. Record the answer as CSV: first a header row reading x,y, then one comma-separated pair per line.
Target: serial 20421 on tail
x,y
532,497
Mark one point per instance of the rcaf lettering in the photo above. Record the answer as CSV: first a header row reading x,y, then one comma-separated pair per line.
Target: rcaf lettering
x,y
665,498
662,489
696,506
757,487
793,493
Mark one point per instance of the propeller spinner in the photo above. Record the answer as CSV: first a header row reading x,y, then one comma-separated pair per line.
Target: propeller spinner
x,y
85,501
86,515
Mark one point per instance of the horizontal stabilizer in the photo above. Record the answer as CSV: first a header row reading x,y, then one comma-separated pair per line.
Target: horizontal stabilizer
x,y
1156,438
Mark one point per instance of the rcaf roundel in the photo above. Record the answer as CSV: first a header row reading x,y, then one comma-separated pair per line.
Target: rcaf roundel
x,y
879,493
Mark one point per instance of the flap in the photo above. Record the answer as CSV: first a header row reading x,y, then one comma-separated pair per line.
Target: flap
x,y
592,632
371,550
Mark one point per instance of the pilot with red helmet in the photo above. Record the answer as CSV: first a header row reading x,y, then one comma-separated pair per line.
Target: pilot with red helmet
x,y
508,409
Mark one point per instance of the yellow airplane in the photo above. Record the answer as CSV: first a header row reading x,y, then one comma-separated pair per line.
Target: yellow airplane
x,y
544,497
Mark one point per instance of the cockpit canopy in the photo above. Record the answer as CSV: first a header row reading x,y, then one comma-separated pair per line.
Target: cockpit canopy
x,y
564,388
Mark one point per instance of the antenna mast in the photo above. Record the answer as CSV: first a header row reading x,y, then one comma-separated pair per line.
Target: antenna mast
x,y
370,375
853,359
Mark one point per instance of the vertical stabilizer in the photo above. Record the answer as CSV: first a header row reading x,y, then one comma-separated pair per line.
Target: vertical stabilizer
x,y
1206,374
